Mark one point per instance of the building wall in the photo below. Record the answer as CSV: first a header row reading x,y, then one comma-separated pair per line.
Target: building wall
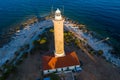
x,y
65,68
45,72
52,70
60,69
71,67
77,65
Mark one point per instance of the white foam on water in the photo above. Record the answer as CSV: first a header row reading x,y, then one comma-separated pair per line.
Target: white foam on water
x,y
102,46
25,36
29,33
92,42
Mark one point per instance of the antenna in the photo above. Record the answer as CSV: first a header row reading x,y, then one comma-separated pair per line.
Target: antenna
x,y
62,6
52,10
63,9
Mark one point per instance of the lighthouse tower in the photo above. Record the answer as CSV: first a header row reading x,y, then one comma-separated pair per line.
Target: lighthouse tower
x,y
58,34
60,62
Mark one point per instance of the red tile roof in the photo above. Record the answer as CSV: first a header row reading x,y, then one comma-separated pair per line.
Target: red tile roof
x,y
50,62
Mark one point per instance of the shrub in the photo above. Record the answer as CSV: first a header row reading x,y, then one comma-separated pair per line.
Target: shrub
x,y
54,76
51,30
8,69
27,46
41,44
43,40
77,41
100,52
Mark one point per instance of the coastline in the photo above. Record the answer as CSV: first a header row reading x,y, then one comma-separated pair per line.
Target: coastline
x,y
21,38
80,29
99,70
22,43
96,43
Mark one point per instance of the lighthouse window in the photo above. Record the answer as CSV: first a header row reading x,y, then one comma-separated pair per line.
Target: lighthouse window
x,y
57,14
62,69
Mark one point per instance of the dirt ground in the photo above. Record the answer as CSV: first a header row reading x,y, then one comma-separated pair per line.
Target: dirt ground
x,y
30,69
99,70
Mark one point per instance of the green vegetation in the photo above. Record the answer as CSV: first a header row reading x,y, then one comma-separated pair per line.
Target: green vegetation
x,y
7,70
77,42
23,48
19,62
100,52
69,38
91,52
27,46
8,67
25,55
51,30
43,42
54,76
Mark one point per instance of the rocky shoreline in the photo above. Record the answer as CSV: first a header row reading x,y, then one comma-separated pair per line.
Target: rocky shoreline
x,y
97,43
79,29
90,67
7,37
18,34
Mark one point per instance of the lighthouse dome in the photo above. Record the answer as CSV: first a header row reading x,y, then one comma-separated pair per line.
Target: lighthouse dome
x,y
58,15
57,11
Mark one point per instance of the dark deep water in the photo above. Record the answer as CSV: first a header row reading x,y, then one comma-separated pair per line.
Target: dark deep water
x,y
101,16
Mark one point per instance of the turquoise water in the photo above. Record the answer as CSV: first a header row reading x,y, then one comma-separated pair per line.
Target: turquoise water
x,y
101,16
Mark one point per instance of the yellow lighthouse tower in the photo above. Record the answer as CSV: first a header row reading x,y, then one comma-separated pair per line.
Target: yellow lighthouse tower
x,y
58,34
59,62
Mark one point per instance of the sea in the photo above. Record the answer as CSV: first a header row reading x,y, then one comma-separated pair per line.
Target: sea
x,y
99,16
